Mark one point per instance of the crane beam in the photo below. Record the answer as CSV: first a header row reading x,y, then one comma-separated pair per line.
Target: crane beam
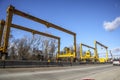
x,y
33,31
48,24
87,46
101,44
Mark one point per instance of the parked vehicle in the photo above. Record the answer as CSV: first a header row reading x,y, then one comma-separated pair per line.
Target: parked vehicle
x,y
116,62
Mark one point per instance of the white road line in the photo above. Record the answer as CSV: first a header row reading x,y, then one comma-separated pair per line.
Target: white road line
x,y
47,72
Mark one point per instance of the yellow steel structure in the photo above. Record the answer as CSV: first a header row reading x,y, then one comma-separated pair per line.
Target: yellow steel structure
x,y
11,11
34,32
66,54
101,60
87,55
2,23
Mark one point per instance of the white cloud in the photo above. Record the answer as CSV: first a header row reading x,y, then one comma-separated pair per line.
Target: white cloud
x,y
110,26
115,50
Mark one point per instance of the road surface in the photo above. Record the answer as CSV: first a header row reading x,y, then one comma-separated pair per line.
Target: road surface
x,y
82,72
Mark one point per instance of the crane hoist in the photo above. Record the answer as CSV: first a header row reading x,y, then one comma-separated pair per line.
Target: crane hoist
x,y
87,56
101,60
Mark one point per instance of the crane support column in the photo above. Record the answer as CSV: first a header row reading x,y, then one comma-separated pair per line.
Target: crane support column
x,y
81,51
96,54
75,45
2,23
7,31
106,55
59,46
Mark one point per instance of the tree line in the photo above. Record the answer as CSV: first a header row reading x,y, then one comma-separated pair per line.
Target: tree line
x,y
32,48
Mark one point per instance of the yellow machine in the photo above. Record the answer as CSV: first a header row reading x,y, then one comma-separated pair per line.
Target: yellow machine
x,y
87,54
101,60
8,23
68,54
86,57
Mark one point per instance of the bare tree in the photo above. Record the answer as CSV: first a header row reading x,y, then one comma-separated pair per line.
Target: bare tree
x,y
52,48
45,43
49,47
32,48
23,48
12,53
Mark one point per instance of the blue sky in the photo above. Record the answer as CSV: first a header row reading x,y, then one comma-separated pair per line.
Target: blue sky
x,y
89,19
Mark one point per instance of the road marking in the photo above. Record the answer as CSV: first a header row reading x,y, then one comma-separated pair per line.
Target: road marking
x,y
47,72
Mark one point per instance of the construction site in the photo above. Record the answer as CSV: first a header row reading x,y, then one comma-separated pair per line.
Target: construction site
x,y
67,55
82,62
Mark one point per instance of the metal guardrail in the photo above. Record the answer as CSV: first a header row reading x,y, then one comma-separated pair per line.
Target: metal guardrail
x,y
25,63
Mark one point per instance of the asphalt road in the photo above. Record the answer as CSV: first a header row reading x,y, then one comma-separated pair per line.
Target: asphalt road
x,y
93,72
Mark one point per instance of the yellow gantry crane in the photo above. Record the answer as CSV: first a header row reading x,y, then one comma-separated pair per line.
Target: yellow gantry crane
x,y
101,60
11,11
87,56
28,30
